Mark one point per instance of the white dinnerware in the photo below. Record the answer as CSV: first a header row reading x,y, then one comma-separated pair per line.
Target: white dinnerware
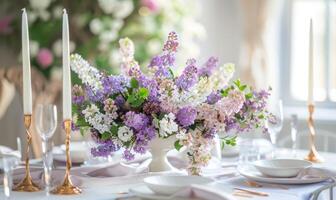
x,y
307,176
168,185
281,167
78,153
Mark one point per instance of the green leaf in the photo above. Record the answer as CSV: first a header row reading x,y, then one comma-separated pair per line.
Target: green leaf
x,y
225,92
106,135
177,145
242,87
114,130
143,93
248,96
134,83
237,83
81,122
171,72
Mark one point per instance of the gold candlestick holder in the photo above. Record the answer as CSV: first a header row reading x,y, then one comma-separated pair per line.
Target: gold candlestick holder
x,y
313,155
67,188
27,184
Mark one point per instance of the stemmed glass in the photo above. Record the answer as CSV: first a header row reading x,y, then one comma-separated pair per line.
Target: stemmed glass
x,y
294,131
274,123
7,163
45,122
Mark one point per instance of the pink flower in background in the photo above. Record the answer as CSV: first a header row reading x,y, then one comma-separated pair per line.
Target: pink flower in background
x,y
5,25
44,58
152,5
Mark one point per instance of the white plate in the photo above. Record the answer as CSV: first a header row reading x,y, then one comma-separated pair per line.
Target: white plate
x,y
78,152
252,173
144,192
282,168
169,185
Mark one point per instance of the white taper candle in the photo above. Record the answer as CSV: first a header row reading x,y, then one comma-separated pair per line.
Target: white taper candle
x,y
27,90
66,69
311,65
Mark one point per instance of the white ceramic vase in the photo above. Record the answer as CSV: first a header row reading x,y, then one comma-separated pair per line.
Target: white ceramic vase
x,y
159,148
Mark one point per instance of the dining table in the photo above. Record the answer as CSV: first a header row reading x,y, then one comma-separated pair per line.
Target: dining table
x,y
118,187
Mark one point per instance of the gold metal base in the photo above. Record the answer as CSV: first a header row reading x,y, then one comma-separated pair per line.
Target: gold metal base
x,y
67,188
27,185
313,155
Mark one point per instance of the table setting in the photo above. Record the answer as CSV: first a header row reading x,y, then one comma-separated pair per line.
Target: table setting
x,y
155,134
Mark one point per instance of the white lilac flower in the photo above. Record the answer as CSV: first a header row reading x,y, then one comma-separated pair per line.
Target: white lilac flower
x,y
108,6
125,134
221,77
57,48
96,26
123,9
126,49
167,125
39,5
96,119
87,73
34,47
57,12
116,24
108,36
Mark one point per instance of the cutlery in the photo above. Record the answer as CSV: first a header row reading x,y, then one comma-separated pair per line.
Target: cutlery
x,y
252,192
242,194
258,185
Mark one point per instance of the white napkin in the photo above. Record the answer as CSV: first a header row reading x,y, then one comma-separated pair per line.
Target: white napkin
x,y
206,192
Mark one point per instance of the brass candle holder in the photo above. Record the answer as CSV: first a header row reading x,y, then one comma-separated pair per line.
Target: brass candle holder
x,y
27,184
313,155
67,188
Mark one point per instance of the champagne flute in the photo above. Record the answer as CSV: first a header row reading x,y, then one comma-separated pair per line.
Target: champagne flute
x,y
274,123
45,122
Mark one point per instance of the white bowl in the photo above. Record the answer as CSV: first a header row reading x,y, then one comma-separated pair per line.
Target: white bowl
x,y
281,168
168,185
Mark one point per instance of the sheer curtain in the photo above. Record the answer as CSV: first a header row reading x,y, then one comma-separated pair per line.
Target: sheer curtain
x,y
253,55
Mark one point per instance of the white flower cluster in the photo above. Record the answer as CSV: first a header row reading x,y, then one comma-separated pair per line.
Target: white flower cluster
x,y
120,9
96,119
125,133
87,73
222,76
167,125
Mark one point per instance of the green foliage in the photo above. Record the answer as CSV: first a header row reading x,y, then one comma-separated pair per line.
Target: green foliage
x,y
138,97
177,145
231,141
134,83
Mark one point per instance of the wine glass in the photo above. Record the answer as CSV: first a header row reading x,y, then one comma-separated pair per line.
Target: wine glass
x,y
274,123
294,131
7,163
45,122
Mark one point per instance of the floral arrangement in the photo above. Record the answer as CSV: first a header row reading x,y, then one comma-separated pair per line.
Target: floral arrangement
x,y
129,110
96,27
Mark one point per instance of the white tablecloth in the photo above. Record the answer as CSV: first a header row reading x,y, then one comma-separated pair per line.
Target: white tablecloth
x,y
111,188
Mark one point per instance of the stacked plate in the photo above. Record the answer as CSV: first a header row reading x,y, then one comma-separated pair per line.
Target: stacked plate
x,y
283,171
166,187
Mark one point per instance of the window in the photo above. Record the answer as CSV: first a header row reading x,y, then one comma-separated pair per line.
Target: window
x,y
295,37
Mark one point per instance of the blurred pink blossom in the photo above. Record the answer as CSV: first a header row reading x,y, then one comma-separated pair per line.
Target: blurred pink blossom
x,y
5,25
152,5
44,58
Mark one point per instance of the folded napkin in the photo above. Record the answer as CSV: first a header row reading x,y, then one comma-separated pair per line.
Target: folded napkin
x,y
37,175
9,151
206,192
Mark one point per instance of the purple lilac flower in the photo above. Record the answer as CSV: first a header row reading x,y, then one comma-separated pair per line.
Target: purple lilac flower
x,y
214,97
209,134
186,116
151,107
140,149
119,101
115,84
127,155
77,95
189,76
172,43
150,84
136,121
94,96
104,149
208,67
